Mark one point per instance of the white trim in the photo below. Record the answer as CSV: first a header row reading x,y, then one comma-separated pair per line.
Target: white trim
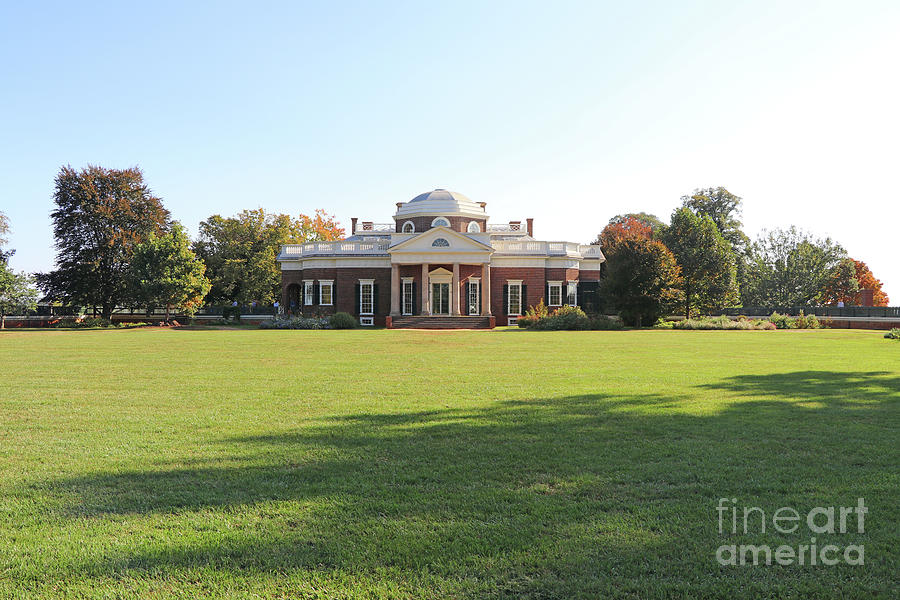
x,y
550,286
469,227
362,283
510,283
476,281
403,298
411,224
444,219
367,321
309,294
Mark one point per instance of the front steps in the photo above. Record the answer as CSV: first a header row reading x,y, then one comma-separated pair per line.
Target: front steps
x,y
440,322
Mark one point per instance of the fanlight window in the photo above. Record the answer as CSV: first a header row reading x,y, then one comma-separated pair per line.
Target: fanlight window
x,y
408,227
440,222
440,243
474,227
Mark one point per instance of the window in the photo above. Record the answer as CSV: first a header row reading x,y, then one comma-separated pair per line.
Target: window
x,y
440,243
407,296
366,297
572,293
326,293
474,227
554,293
308,295
440,222
409,227
514,298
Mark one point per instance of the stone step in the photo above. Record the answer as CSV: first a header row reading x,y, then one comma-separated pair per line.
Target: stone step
x,y
440,322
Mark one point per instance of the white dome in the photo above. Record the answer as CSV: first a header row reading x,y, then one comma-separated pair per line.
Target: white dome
x,y
440,203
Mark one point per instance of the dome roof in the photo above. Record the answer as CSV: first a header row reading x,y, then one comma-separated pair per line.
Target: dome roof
x,y
440,203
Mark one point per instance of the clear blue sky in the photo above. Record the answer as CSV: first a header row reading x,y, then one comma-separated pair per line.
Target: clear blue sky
x,y
565,112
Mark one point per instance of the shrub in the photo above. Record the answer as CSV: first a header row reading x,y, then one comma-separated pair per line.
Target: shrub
x,y
342,320
570,318
231,313
723,323
604,323
780,321
893,334
538,311
296,323
806,322
526,321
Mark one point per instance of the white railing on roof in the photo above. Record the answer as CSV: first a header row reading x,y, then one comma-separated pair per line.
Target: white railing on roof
x,y
369,226
333,248
505,227
532,247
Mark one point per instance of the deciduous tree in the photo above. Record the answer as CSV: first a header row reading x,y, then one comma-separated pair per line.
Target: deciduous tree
x,y
789,268
17,293
622,229
706,259
100,215
846,281
642,281
724,208
165,271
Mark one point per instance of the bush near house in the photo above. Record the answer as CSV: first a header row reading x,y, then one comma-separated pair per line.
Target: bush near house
x,y
566,318
296,323
801,322
342,320
720,323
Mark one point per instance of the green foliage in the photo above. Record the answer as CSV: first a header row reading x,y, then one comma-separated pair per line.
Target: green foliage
x,y
297,323
605,323
788,267
570,318
721,323
100,216
893,334
724,208
800,322
165,271
641,281
4,230
342,320
17,293
707,261
231,313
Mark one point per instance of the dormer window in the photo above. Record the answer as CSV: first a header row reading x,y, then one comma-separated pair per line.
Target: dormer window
x,y
409,227
440,222
474,227
440,243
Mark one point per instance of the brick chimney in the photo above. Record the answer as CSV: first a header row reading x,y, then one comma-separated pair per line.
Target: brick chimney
x,y
530,223
483,205
353,226
515,225
867,297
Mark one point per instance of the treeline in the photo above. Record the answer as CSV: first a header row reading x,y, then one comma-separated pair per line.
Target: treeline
x,y
701,260
118,246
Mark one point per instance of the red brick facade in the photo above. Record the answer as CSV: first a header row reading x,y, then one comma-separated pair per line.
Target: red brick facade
x,y
424,223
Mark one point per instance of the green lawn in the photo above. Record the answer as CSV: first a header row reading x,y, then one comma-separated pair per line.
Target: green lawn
x,y
403,464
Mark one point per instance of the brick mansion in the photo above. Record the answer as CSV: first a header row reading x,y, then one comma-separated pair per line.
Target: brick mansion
x,y
439,264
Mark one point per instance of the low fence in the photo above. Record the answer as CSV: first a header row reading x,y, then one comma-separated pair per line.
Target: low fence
x,y
868,312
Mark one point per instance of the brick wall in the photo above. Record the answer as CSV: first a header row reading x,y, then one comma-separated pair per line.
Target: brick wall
x,y
345,281
424,223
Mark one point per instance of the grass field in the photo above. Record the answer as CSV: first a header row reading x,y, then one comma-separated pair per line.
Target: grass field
x,y
403,464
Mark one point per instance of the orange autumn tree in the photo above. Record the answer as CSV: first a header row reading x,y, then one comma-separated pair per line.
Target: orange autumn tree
x,y
623,228
846,282
320,228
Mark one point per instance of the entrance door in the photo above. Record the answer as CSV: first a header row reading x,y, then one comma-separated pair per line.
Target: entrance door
x,y
440,298
474,298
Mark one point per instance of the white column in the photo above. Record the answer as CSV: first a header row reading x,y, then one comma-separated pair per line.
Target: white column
x,y
486,289
395,290
454,291
426,307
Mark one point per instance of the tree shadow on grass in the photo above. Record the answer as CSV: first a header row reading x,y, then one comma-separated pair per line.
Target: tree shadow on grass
x,y
559,497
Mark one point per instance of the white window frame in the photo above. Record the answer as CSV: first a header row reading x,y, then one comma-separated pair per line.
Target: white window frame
x,y
329,283
412,227
476,281
446,222
407,296
510,284
572,287
557,285
362,285
309,296
367,321
473,227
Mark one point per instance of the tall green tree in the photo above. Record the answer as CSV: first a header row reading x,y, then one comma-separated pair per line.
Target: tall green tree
x,y
642,281
4,230
790,268
100,216
706,259
165,271
240,252
724,208
17,293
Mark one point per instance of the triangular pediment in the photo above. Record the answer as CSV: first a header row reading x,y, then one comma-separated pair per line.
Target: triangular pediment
x,y
440,239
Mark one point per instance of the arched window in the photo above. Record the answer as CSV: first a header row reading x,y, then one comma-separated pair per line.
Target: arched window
x,y
440,222
409,227
474,227
440,243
